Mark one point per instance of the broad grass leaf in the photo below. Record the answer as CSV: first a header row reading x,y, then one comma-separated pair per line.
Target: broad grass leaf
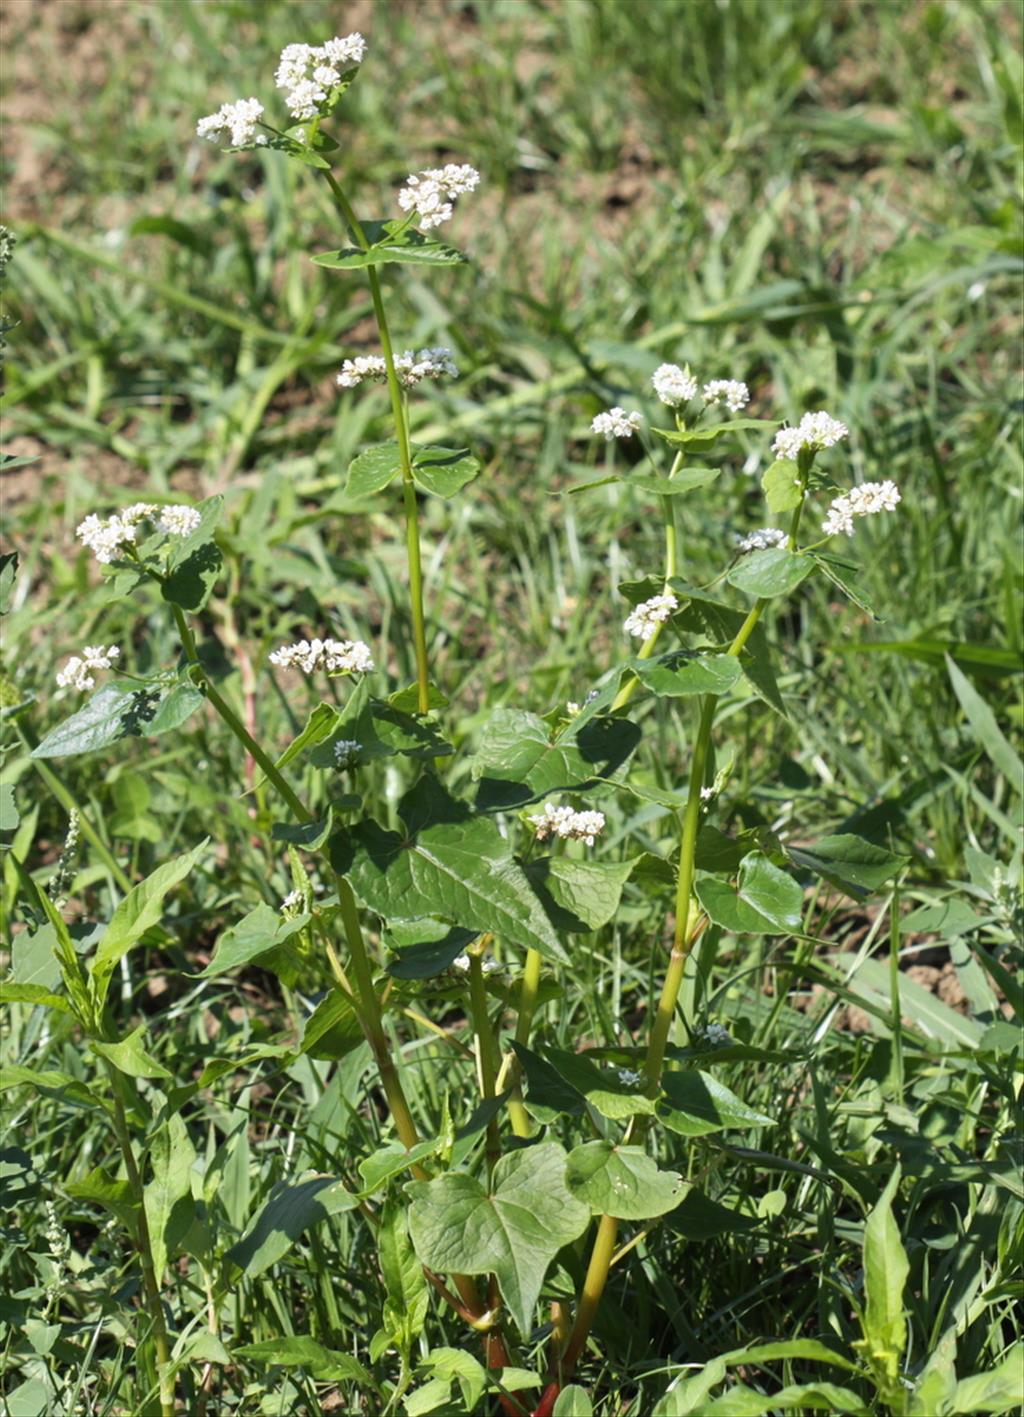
x,y
255,939
848,862
120,710
622,1181
696,1103
799,1397
766,901
332,1029
405,1309
287,1214
520,760
129,1056
987,733
299,1351
448,864
443,471
769,573
867,982
685,672
140,909
168,1196
512,1228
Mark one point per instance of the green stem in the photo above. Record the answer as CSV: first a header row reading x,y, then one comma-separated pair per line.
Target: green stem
x,y
486,1053
645,651
593,1289
528,992
144,1246
412,526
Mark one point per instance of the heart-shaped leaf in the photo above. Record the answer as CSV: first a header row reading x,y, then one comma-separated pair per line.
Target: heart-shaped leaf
x,y
372,470
781,484
512,1227
256,939
772,572
766,901
614,1092
520,759
684,672
579,896
622,1181
195,561
443,471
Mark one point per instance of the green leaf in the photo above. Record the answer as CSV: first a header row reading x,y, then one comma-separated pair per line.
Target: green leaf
x,y
772,572
696,440
140,909
622,1181
425,948
409,247
168,1196
9,815
34,959
613,1095
332,1029
130,1057
781,484
573,1402
698,1218
848,862
766,901
696,1104
687,672
391,1160
867,982
721,623
119,710
298,1351
372,470
997,1392
800,1397
407,700
382,731
9,559
405,1308
261,932
62,1087
36,994
322,722
579,896
310,836
116,1196
548,1093
448,864
987,732
512,1228
195,561
449,1365
520,759
289,1212
886,1269
837,571
443,471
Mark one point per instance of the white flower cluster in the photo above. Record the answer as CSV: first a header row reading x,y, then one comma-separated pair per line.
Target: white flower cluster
x,y
814,432
76,674
862,501
487,966
105,536
628,1077
240,119
294,903
308,72
567,823
760,540
732,392
336,656
346,751
616,423
411,366
715,1035
646,618
430,193
674,385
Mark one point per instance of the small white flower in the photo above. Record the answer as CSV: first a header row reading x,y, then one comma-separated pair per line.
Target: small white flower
x,y
76,673
760,540
706,794
715,1035
294,903
336,656
646,618
179,521
674,385
733,392
616,423
411,367
430,193
461,962
567,824
240,119
137,512
628,1077
863,501
307,72
104,538
814,432
346,752
572,708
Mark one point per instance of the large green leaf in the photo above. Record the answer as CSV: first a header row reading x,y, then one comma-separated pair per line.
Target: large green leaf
x,y
372,470
443,471
886,1269
622,1181
520,759
99,1188
195,561
772,572
766,901
688,672
129,1056
721,623
382,731
579,896
614,1092
256,939
997,1392
696,1104
289,1212
389,245
140,909
512,1228
781,484
167,1198
119,710
448,864
848,862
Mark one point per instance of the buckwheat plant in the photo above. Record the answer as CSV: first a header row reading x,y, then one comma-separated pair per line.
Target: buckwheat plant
x,y
474,896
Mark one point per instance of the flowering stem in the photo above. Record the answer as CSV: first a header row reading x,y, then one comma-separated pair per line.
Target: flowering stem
x,y
528,991
412,528
144,1246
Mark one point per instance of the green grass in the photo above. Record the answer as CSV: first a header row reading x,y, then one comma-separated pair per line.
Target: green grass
x,y
819,198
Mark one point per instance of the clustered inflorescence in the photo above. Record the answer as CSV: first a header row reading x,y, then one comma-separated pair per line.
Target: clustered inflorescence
x,y
814,432
77,673
346,752
335,656
616,423
760,540
646,618
106,536
431,193
567,823
863,501
307,73
411,367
